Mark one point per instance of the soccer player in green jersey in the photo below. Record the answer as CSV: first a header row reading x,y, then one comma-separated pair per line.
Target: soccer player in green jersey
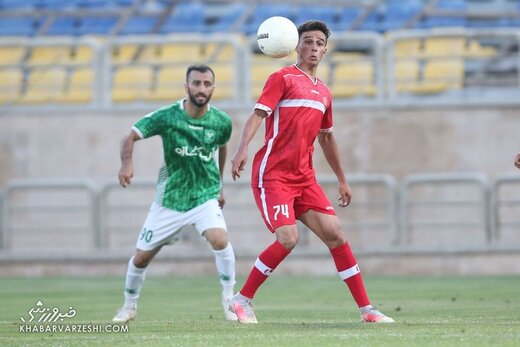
x,y
189,187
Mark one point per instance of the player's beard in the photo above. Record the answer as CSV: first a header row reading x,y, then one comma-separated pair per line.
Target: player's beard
x,y
196,102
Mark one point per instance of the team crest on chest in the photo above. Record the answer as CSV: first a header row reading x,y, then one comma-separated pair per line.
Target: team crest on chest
x,y
209,135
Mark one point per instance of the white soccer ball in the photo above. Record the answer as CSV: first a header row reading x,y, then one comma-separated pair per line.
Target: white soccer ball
x,y
277,37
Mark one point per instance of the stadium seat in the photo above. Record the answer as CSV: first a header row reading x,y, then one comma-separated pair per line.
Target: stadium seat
x,y
131,83
224,81
444,46
56,5
64,26
328,15
19,26
346,19
10,85
185,18
440,75
407,48
264,11
79,89
455,16
180,52
170,84
225,22
7,5
44,85
139,25
97,25
45,55
11,54
354,77
407,73
398,13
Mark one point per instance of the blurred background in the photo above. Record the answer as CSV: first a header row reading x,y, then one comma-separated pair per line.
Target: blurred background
x,y
426,106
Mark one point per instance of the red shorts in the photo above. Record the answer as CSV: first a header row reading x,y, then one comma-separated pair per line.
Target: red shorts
x,y
282,205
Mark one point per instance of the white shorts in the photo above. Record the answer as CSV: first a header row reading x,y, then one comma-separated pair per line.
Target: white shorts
x,y
163,225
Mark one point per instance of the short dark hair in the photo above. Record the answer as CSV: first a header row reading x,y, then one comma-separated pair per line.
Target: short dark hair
x,y
200,68
312,25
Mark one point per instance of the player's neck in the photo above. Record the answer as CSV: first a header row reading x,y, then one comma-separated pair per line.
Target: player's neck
x,y
195,111
310,71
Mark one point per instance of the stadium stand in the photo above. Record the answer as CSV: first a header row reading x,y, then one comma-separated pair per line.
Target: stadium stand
x,y
477,60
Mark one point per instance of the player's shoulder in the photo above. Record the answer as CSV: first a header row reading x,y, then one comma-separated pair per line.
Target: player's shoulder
x,y
218,113
167,110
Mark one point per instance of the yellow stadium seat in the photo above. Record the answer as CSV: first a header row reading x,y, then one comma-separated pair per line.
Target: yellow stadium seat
x,y
476,50
406,75
440,75
354,78
44,85
11,55
82,54
80,88
180,52
170,84
224,80
131,83
45,55
407,48
123,53
444,46
10,85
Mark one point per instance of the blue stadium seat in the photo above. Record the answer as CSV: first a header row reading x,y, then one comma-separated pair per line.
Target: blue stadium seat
x,y
64,26
186,17
398,13
96,25
328,15
456,6
19,26
373,21
139,25
56,4
263,11
225,22
346,18
17,4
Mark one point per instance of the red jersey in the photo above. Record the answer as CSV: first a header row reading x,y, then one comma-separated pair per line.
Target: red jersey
x,y
298,109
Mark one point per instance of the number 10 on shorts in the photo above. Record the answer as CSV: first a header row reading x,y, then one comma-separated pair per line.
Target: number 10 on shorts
x,y
283,209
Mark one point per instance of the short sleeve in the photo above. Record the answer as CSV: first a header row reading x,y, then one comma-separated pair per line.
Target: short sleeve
x,y
272,93
151,124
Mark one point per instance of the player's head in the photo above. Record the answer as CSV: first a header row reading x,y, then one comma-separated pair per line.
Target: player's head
x,y
312,45
200,83
314,25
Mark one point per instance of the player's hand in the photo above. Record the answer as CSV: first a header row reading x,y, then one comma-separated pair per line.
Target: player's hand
x,y
517,161
126,174
238,161
345,195
221,199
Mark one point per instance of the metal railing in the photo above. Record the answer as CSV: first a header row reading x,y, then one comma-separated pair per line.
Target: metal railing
x,y
443,205
361,68
425,212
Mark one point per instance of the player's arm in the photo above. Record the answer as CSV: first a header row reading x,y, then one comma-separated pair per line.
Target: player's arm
x,y
329,146
127,165
517,161
239,158
222,153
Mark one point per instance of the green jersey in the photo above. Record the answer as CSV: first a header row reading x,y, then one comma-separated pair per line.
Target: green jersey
x,y
190,175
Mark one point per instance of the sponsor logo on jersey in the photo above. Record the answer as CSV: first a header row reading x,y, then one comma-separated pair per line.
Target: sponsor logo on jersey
x,y
194,127
315,91
201,152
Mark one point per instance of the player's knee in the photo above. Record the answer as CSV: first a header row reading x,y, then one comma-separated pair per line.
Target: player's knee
x,y
289,242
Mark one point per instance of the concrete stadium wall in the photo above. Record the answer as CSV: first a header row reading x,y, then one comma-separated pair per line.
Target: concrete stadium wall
x,y
54,144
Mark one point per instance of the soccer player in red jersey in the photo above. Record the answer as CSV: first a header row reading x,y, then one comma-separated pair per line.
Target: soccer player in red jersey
x,y
297,108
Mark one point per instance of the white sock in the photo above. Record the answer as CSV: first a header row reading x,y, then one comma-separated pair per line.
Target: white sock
x,y
133,283
225,260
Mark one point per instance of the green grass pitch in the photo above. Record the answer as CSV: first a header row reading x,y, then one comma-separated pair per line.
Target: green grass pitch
x,y
292,311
